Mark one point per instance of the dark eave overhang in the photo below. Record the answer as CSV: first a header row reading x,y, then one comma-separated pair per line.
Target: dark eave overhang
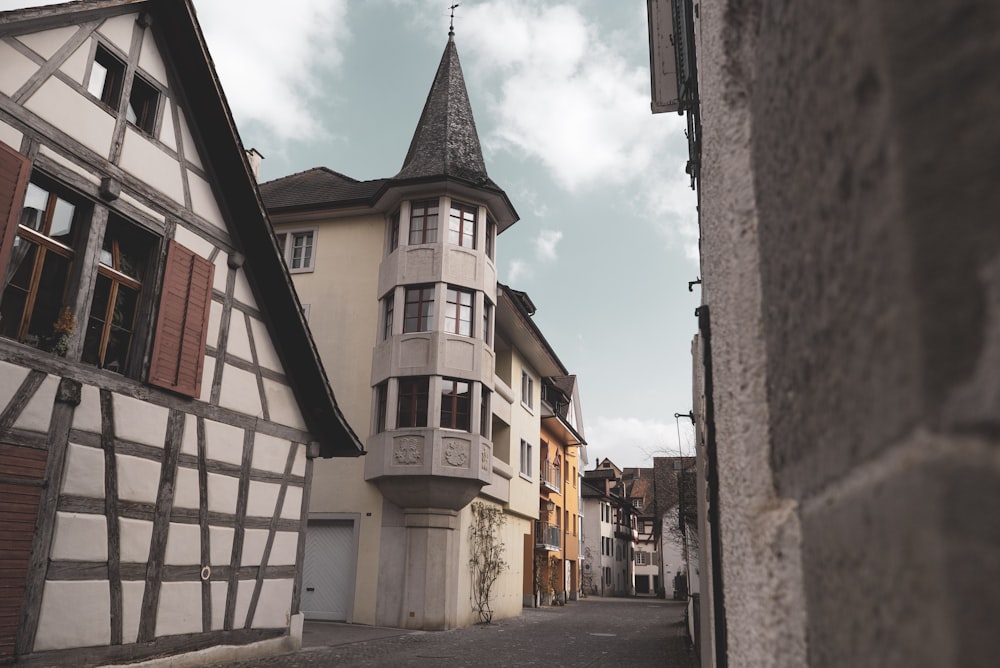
x,y
515,323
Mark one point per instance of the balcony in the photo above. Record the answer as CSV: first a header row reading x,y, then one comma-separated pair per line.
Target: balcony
x,y
547,536
549,476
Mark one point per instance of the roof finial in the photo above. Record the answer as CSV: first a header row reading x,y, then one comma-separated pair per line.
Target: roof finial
x,y
451,26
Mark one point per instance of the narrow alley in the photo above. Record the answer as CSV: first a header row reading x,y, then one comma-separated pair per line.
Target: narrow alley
x,y
631,632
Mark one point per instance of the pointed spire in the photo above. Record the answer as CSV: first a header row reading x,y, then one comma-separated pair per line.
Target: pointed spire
x,y
445,143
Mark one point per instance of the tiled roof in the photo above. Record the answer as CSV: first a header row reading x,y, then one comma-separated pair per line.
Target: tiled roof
x,y
316,187
445,142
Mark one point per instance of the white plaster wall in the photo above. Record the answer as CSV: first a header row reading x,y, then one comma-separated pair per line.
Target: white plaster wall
x,y
15,71
140,421
222,493
74,614
118,30
183,545
238,343
11,377
239,391
38,412
244,593
47,42
223,442
262,499
197,243
291,509
189,437
203,200
219,592
150,60
214,317
190,152
269,453
132,592
207,378
86,120
138,479
79,537
155,215
267,356
168,136
242,291
10,136
284,548
87,416
186,488
524,424
179,610
152,164
220,541
299,466
282,405
84,472
136,536
254,541
274,605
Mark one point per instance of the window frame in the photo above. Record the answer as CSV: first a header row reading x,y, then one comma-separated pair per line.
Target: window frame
x,y
527,390
388,312
485,411
424,317
414,393
453,400
487,321
394,219
284,238
459,232
491,236
381,406
525,463
455,309
423,227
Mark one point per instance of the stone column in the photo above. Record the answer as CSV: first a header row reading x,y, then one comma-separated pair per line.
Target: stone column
x,y
429,587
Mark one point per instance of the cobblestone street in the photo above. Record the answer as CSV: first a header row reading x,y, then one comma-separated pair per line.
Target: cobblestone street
x,y
594,631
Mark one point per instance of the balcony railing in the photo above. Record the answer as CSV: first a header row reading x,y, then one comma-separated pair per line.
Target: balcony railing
x,y
547,536
549,476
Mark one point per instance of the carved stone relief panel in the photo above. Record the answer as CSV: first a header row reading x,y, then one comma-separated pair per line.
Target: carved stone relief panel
x,y
408,451
455,452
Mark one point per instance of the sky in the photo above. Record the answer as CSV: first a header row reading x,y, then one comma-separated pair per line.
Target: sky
x,y
560,91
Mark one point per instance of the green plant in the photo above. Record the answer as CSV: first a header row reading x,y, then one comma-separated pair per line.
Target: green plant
x,y
486,561
555,573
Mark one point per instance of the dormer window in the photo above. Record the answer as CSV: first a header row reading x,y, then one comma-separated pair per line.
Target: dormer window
x,y
462,225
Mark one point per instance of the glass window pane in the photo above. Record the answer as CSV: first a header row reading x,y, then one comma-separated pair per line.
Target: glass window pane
x,y
35,199
62,221
98,75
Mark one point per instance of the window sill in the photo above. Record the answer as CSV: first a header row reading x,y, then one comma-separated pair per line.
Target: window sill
x,y
527,408
301,270
526,477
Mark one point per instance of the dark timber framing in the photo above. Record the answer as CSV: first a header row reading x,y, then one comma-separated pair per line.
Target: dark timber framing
x,y
240,530
111,510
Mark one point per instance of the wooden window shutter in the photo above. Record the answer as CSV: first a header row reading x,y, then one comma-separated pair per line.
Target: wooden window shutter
x,y
178,357
14,171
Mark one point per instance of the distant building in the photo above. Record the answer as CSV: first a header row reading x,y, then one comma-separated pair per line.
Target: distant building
x,y
607,479
161,399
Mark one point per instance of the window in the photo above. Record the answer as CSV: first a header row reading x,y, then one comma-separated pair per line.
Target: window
x,y
394,231
491,233
485,414
36,279
299,254
637,504
423,221
381,399
642,558
388,306
525,459
142,103
487,318
107,77
462,225
418,314
107,82
458,312
527,389
456,401
411,409
607,575
121,270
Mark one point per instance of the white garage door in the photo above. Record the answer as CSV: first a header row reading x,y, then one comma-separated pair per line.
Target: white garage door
x,y
328,574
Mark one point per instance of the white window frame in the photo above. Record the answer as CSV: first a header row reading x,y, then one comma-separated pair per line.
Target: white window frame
x,y
527,390
286,247
525,471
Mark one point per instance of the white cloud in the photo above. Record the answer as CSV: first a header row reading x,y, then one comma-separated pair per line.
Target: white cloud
x,y
516,270
634,442
545,244
269,61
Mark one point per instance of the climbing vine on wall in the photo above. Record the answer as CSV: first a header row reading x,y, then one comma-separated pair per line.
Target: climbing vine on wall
x,y
486,560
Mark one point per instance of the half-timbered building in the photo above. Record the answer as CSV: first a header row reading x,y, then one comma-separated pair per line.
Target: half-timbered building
x,y
161,398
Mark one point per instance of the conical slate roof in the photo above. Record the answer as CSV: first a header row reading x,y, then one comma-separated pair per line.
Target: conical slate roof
x,y
445,143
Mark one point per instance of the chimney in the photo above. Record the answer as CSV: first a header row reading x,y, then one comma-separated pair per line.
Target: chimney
x,y
255,159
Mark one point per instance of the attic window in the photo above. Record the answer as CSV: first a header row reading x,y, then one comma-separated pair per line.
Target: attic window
x,y
142,102
107,75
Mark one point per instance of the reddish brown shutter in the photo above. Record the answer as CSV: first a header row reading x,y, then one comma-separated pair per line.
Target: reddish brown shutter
x,y
14,170
21,473
182,325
